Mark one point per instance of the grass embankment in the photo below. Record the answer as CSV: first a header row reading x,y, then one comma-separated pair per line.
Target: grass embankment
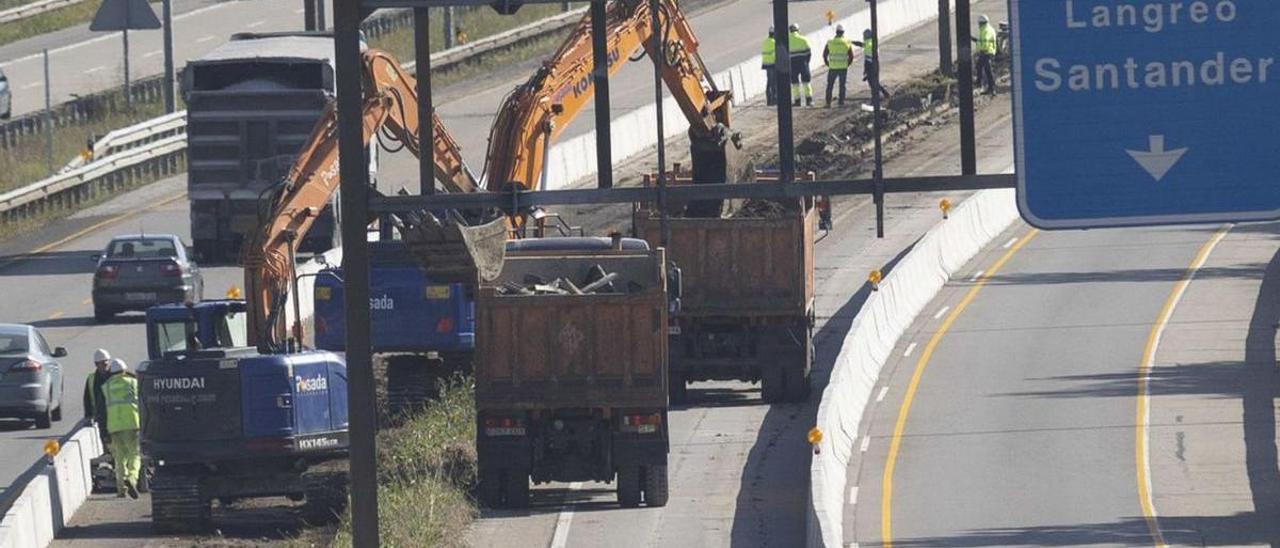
x,y
426,469
26,163
49,21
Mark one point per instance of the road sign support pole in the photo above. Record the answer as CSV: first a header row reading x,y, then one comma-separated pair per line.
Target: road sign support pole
x,y
355,252
309,15
600,75
170,101
877,124
782,79
48,114
427,121
945,65
128,97
450,27
964,42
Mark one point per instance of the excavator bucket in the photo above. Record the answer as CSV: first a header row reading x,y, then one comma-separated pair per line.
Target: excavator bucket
x,y
453,252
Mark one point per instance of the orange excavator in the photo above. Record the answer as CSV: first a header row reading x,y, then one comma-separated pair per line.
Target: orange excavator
x,y
528,122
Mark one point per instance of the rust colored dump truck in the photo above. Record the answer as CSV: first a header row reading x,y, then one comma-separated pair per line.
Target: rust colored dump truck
x,y
571,370
746,308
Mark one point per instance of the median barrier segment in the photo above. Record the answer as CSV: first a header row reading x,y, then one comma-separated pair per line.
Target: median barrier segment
x,y
875,331
50,493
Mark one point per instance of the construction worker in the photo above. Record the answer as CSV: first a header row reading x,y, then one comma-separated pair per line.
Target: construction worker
x,y
800,54
986,40
95,403
769,57
121,391
837,56
871,64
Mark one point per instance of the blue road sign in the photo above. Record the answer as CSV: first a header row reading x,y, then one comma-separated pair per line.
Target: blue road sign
x,y
1143,112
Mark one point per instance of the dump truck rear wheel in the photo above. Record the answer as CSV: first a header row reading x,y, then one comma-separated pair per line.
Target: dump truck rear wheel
x,y
797,385
771,385
517,489
178,505
655,485
490,490
629,487
678,389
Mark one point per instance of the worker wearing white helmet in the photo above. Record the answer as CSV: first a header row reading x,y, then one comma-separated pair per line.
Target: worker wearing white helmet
x,y
837,55
800,54
95,403
123,422
986,54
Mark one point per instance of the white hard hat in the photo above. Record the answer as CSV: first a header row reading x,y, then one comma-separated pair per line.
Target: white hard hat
x,y
839,28
101,355
794,28
982,19
118,366
770,30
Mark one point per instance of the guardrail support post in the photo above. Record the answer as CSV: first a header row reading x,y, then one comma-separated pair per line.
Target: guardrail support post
x,y
48,115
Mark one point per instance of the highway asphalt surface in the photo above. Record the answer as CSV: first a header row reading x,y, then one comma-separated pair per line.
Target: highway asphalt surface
x,y
1033,422
83,62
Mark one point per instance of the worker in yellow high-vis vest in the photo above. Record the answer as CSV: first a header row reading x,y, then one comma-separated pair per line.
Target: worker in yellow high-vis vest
x,y
769,58
986,40
871,63
800,55
123,422
837,56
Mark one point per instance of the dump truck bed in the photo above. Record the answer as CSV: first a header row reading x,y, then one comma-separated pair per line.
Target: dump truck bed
x,y
555,351
741,267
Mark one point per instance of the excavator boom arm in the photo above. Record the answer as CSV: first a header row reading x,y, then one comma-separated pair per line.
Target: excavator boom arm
x,y
537,112
390,108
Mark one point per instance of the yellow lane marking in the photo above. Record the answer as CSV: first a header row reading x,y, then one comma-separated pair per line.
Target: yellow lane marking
x,y
56,315
1141,449
96,226
886,504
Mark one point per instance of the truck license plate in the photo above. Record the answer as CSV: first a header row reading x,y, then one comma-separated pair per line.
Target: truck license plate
x,y
140,296
673,330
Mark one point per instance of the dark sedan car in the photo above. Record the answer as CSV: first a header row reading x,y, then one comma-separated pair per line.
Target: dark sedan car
x,y
139,271
30,376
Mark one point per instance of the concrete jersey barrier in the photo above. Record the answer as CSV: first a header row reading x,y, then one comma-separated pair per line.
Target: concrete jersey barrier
x,y
53,495
875,331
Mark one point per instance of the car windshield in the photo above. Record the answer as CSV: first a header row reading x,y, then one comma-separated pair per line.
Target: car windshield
x,y
141,248
12,343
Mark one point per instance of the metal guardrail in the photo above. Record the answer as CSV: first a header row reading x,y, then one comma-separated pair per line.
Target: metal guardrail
x,y
35,8
157,147
138,135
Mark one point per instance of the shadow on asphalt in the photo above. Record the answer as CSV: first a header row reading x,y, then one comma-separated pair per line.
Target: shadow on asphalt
x,y
49,264
84,321
15,425
772,503
259,521
1255,382
1163,275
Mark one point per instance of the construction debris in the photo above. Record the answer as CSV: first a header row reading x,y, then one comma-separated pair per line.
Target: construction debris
x,y
596,282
